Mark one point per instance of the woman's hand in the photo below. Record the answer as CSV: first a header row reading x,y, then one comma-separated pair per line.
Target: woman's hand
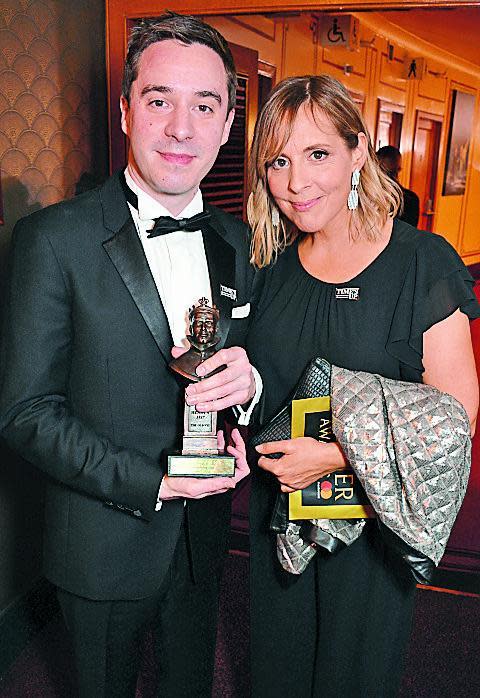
x,y
304,461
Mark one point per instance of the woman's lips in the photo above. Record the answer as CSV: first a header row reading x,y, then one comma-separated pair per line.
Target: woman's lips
x,y
304,205
177,158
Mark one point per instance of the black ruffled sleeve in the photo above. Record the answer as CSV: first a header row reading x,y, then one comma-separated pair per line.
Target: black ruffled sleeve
x,y
436,284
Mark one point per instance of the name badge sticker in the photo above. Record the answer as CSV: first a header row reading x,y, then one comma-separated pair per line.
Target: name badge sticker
x,y
347,293
228,292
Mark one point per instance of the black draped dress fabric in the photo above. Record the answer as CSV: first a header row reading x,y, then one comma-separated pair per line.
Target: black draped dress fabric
x,y
341,628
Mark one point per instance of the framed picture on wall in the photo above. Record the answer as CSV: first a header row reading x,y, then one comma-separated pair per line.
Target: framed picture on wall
x,y
458,146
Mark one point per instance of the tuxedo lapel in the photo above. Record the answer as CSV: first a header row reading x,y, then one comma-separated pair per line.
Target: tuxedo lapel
x,y
221,268
126,253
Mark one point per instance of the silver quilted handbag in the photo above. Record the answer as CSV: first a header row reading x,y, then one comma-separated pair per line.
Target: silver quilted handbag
x,y
408,443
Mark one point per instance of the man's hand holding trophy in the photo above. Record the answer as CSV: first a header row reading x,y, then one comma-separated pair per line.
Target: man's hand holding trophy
x,y
218,379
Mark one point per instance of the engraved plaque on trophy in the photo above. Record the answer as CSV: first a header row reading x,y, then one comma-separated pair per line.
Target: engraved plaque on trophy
x,y
200,456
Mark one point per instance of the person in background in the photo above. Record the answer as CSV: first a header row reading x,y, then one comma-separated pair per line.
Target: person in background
x,y
99,291
390,160
340,278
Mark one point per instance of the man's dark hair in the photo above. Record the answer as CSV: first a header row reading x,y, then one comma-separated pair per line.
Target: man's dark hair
x,y
186,29
388,151
389,158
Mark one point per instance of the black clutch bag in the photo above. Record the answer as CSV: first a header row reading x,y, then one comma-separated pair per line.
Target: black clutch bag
x,y
314,382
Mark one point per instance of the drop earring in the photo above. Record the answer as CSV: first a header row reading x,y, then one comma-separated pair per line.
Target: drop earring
x,y
275,217
352,201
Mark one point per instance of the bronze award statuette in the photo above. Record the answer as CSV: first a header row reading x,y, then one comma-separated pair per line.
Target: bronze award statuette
x,y
200,456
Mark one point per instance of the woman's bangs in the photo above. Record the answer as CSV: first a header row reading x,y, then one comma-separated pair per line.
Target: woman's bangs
x,y
280,131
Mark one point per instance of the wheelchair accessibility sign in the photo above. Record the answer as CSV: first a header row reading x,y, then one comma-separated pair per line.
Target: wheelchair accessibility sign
x,y
340,30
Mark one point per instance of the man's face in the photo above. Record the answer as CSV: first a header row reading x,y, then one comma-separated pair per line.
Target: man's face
x,y
392,166
203,327
176,120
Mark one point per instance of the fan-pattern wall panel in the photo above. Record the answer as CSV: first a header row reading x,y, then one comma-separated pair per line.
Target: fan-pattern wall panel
x,y
48,69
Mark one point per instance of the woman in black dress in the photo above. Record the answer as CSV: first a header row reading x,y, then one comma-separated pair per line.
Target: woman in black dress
x,y
339,279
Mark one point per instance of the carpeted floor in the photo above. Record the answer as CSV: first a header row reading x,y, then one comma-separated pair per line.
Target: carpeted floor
x,y
442,660
443,654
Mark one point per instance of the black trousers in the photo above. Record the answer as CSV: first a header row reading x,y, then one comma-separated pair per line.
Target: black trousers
x,y
338,630
107,636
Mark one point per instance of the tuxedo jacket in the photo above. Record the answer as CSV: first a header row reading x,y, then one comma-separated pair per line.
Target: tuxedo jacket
x,y
87,395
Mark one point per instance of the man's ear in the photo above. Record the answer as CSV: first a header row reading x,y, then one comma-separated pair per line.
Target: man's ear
x,y
228,126
124,109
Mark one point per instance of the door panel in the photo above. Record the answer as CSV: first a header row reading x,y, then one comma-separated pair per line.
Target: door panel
x,y
389,124
423,175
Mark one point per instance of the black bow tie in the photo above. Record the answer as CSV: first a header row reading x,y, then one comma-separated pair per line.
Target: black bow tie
x,y
166,224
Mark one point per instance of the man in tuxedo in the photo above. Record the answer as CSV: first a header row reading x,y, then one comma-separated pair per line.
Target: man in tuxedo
x,y
99,292
390,160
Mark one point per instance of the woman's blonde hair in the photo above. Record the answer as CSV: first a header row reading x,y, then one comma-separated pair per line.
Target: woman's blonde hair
x,y
379,197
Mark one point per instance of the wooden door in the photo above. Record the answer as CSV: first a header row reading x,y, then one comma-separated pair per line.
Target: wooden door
x,y
389,124
423,175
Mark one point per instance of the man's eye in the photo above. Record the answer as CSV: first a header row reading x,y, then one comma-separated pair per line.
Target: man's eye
x,y
157,103
319,155
280,163
205,109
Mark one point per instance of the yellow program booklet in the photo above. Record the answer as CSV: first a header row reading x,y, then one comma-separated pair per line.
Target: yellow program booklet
x,y
338,495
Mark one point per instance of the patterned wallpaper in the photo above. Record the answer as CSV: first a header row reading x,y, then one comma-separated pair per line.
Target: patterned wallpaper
x,y
52,100
52,128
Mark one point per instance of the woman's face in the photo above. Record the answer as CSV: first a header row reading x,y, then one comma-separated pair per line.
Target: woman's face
x,y
311,178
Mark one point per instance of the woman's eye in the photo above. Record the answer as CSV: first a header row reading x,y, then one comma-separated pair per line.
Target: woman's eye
x,y
319,155
280,163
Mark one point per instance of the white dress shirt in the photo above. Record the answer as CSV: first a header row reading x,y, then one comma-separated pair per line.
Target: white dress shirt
x,y
177,260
